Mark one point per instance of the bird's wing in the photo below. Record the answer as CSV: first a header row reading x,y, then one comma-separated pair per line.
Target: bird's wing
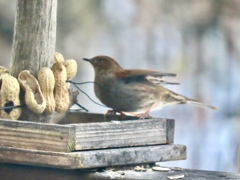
x,y
153,76
160,81
133,72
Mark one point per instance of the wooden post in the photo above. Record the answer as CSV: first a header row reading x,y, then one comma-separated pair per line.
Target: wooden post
x,y
34,41
34,35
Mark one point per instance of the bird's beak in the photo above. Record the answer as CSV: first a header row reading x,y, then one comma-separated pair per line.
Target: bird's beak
x,y
86,59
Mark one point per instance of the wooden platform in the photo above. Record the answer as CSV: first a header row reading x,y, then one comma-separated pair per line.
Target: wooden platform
x,y
77,144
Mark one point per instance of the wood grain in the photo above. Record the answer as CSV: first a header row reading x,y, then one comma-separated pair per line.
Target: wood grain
x,y
94,158
34,35
83,136
38,136
123,133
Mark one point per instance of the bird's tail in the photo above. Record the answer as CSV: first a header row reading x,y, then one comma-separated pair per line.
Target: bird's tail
x,y
173,98
202,105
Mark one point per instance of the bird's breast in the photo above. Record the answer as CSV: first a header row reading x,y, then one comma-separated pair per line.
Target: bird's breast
x,y
124,95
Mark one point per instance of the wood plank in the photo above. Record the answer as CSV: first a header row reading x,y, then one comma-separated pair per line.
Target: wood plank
x,y
66,138
94,158
123,133
38,136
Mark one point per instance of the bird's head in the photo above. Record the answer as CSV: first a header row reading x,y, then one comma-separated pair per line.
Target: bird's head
x,y
103,63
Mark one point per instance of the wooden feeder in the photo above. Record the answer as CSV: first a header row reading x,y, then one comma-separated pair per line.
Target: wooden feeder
x,y
83,145
83,140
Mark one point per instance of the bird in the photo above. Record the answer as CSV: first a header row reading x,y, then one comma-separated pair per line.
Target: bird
x,y
134,91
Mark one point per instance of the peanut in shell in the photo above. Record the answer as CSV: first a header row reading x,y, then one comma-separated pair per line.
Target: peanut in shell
x,y
58,57
71,67
3,70
9,95
47,82
61,94
33,95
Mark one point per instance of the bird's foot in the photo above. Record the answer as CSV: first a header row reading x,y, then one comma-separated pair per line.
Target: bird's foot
x,y
114,112
137,115
144,115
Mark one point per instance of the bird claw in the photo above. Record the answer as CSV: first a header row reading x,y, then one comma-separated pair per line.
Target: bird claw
x,y
140,116
114,112
144,115
111,112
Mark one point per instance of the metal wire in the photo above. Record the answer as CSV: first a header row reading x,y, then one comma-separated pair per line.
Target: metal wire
x,y
12,107
87,82
82,107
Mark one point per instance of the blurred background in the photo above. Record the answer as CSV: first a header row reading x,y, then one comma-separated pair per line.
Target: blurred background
x,y
198,40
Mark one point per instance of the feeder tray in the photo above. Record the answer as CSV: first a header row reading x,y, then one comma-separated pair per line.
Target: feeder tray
x,y
86,140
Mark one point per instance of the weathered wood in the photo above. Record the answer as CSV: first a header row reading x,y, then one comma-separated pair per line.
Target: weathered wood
x,y
34,35
124,133
10,171
39,136
66,138
94,158
149,174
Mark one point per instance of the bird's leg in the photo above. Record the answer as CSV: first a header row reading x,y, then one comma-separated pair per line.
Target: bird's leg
x,y
133,114
146,114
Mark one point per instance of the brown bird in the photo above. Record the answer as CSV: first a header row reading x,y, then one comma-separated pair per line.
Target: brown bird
x,y
133,91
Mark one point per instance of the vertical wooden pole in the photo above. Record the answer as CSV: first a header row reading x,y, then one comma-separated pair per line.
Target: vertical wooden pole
x,y
34,42
34,35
